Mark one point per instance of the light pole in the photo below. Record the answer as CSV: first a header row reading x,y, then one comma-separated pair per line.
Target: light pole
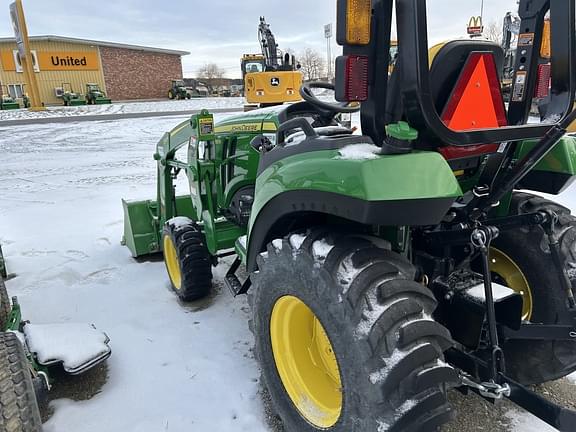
x,y
328,36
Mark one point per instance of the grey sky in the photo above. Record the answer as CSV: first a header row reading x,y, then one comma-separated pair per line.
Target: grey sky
x,y
220,31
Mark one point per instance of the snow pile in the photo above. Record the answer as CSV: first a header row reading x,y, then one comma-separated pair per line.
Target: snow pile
x,y
74,345
522,421
321,249
180,222
296,240
277,243
498,291
359,152
242,240
235,103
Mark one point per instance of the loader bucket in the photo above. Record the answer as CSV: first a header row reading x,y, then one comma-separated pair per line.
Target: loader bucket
x,y
141,229
77,102
103,101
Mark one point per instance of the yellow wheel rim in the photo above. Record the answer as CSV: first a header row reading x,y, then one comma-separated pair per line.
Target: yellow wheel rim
x,y
306,362
172,264
505,268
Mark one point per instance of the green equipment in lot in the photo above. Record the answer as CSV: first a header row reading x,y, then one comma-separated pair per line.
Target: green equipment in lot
x,y
178,90
385,268
27,366
7,102
95,96
70,97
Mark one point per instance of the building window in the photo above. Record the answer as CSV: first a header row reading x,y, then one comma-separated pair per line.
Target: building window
x,y
15,90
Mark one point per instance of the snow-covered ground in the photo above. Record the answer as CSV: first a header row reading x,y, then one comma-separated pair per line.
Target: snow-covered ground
x,y
126,108
174,367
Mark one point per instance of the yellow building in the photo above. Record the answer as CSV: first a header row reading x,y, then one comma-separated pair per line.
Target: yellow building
x,y
123,71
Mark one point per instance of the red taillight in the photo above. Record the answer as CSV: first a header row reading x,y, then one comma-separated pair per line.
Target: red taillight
x,y
543,82
352,78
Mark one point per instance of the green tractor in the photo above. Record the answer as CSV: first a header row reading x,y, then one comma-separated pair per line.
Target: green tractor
x,y
95,96
178,91
29,353
70,97
386,268
7,102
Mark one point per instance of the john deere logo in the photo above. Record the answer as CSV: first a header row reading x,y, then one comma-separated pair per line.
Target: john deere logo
x,y
275,82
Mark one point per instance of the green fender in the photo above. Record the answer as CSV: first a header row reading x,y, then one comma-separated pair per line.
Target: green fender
x,y
412,189
556,171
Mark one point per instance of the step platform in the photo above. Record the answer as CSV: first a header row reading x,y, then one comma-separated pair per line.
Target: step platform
x,y
77,347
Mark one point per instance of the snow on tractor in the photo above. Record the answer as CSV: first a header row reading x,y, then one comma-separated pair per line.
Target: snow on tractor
x,y
28,355
386,268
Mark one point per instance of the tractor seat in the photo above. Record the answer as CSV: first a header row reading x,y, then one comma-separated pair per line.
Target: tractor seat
x,y
448,63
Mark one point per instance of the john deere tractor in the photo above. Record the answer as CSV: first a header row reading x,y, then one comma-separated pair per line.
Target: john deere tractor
x,y
7,102
387,267
70,97
178,90
95,96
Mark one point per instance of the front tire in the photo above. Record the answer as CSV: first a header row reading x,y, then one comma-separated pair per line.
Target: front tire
x,y
187,259
18,407
530,267
345,338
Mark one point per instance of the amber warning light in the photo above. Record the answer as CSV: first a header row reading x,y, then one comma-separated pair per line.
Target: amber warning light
x,y
354,22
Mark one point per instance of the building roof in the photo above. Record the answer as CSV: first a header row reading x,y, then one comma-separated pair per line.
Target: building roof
x,y
52,38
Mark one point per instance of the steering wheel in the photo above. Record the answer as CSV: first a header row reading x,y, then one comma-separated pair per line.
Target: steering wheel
x,y
310,97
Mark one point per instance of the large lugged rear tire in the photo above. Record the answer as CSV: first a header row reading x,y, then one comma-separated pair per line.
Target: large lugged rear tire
x,y
18,407
187,259
530,267
345,337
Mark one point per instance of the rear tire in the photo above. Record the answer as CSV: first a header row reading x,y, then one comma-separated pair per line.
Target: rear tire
x,y
387,349
187,259
534,362
18,407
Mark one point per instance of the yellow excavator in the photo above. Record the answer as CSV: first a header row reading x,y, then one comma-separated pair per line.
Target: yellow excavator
x,y
270,78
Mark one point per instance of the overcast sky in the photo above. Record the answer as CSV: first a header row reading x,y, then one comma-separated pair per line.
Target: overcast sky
x,y
220,31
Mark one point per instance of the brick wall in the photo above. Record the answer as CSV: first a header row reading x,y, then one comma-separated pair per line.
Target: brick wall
x,y
133,74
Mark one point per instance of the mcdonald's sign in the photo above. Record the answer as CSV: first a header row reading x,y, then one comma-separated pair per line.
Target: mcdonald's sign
x,y
475,26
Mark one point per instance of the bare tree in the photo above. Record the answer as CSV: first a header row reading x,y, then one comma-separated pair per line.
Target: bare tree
x,y
493,32
210,74
313,64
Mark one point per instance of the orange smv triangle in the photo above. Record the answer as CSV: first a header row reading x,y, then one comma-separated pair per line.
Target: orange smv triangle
x,y
476,102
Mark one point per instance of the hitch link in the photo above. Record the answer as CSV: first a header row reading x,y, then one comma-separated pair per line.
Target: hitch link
x,y
489,390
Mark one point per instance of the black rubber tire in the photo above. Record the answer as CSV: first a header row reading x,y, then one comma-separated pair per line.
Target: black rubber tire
x,y
534,362
18,407
5,306
398,333
193,258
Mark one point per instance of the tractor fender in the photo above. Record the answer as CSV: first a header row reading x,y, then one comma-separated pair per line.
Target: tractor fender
x,y
402,190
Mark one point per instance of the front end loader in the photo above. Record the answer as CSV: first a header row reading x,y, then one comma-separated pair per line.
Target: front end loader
x,y
388,267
